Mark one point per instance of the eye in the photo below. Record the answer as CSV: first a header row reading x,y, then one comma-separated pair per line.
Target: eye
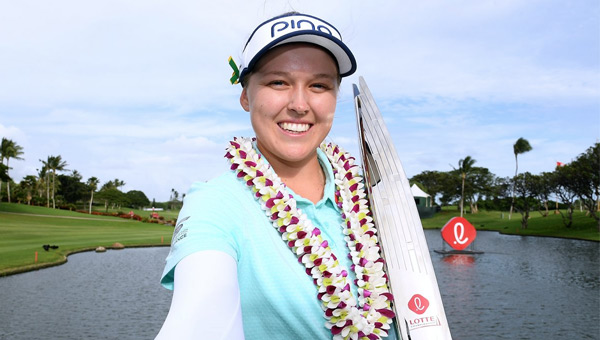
x,y
321,86
277,83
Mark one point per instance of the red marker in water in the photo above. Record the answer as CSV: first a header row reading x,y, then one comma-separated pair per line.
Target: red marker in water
x,y
458,233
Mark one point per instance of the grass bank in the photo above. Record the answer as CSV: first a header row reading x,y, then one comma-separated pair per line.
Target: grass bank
x,y
584,227
24,229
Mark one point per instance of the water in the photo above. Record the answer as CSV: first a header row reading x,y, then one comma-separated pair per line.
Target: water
x,y
521,288
112,295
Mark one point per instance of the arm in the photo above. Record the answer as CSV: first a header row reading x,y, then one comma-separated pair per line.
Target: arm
x,y
206,299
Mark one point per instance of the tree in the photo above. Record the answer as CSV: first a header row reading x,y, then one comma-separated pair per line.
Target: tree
x,y
586,181
9,149
112,196
92,184
4,174
479,185
71,188
563,180
174,199
499,196
450,186
116,184
55,163
19,193
521,146
464,168
524,188
44,177
137,199
432,181
542,184
28,184
4,177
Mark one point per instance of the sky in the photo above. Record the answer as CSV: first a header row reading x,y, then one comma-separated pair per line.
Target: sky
x,y
139,90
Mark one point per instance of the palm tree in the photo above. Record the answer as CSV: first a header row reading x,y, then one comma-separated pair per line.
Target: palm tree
x,y
118,183
3,147
174,198
521,146
4,173
43,176
92,182
464,167
9,149
55,163
29,183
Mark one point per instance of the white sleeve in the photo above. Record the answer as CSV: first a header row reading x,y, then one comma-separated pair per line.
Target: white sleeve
x,y
206,299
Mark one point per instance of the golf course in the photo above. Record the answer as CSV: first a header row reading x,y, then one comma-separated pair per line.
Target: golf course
x,y
24,230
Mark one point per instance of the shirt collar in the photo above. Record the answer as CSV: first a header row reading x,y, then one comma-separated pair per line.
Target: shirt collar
x,y
328,191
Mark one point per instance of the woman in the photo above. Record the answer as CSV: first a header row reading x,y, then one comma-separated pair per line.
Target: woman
x,y
262,251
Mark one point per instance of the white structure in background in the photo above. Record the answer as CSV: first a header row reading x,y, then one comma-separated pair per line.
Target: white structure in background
x,y
422,198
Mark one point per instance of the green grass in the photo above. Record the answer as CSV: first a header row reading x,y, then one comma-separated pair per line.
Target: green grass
x,y
584,227
22,233
30,209
167,214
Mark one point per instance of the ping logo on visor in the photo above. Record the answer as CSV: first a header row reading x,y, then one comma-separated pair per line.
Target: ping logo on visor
x,y
286,25
299,28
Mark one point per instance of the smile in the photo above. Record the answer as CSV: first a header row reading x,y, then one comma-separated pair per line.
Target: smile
x,y
294,127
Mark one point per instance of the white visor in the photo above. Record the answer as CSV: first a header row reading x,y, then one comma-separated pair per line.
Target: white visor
x,y
296,27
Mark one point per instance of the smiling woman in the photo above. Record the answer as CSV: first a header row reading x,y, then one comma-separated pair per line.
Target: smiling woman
x,y
276,248
291,97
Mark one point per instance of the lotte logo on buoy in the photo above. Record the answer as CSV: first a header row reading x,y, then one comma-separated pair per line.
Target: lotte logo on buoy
x,y
458,233
418,304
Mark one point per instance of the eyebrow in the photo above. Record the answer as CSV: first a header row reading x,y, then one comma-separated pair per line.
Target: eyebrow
x,y
315,75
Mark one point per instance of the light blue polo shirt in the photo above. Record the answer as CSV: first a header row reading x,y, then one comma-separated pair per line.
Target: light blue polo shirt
x,y
278,299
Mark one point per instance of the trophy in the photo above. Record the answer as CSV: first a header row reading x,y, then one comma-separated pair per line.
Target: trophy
x,y
417,300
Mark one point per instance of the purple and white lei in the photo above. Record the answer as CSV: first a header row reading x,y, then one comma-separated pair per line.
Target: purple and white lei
x,y
370,317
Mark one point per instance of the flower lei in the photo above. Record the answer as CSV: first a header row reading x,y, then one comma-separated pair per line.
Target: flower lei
x,y
371,319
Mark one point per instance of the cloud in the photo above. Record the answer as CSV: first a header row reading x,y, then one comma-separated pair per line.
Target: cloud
x,y
139,90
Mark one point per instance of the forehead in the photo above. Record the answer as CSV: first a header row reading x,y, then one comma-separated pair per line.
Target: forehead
x,y
298,55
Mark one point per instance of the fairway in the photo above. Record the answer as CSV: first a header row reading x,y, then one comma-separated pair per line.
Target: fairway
x,y
24,230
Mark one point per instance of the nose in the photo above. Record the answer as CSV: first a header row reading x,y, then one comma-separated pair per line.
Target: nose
x,y
299,101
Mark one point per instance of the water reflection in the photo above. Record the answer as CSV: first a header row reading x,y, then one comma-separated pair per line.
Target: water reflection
x,y
459,259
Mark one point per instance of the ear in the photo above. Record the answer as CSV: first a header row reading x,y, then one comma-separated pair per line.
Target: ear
x,y
244,100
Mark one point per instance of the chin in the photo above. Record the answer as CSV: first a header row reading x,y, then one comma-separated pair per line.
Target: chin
x,y
298,154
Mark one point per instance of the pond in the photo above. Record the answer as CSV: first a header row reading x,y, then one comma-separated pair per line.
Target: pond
x,y
520,288
112,295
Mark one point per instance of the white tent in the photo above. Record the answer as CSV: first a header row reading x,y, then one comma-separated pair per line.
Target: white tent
x,y
417,193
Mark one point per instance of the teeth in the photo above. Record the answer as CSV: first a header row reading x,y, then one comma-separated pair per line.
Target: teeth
x,y
294,127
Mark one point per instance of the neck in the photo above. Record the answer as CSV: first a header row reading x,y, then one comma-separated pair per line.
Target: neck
x,y
306,178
